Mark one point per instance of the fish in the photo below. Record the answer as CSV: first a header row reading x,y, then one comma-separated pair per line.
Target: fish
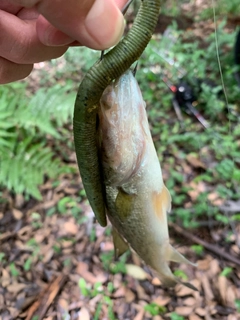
x,y
111,65
137,200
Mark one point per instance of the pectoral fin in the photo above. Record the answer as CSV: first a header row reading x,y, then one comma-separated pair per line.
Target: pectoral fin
x,y
124,204
172,254
120,245
162,202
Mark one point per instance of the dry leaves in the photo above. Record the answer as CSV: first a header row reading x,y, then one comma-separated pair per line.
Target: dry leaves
x,y
59,245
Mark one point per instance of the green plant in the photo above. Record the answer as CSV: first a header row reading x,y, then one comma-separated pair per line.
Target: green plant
x,y
154,309
237,304
116,266
27,264
222,8
226,272
14,271
98,311
180,274
198,249
183,58
84,288
175,316
95,290
25,157
36,220
2,257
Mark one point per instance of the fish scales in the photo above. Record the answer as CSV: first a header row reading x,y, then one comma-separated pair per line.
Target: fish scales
x,y
136,198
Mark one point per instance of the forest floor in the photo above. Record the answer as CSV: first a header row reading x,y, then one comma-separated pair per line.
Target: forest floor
x,y
56,262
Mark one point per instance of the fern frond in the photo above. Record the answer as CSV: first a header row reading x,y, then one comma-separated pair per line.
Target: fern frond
x,y
25,158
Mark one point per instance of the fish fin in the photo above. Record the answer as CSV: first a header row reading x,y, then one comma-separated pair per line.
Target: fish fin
x,y
172,281
120,245
171,254
162,202
189,285
124,204
167,199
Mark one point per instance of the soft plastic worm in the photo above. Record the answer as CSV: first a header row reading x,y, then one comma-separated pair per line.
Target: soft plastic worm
x,y
113,64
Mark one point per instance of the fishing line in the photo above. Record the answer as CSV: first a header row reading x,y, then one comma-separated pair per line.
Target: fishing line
x,y
217,136
219,62
231,223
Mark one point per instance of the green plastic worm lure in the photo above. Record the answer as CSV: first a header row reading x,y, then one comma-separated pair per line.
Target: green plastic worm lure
x,y
113,65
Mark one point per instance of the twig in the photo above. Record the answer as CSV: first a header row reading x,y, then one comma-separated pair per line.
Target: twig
x,y
213,248
40,306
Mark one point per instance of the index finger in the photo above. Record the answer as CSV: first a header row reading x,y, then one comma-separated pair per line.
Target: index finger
x,y
97,24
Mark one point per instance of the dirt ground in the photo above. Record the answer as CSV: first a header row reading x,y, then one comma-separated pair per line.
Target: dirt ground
x,y
60,267
56,262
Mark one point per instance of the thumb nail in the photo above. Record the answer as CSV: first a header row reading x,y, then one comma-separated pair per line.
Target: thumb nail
x,y
104,24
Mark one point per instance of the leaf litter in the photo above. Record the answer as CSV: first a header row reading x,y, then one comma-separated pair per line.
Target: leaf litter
x,y
57,263
46,256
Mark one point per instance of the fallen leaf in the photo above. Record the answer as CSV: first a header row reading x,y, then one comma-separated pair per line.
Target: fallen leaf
x,y
139,315
156,281
196,189
63,304
201,312
84,314
5,278
204,264
81,267
17,214
136,272
182,291
141,293
189,301
106,246
184,311
129,296
214,268
222,285
1,300
120,292
70,227
207,288
157,317
194,161
194,317
16,287
214,198
232,317
162,301
230,297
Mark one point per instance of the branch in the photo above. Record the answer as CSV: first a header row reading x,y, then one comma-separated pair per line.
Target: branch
x,y
213,248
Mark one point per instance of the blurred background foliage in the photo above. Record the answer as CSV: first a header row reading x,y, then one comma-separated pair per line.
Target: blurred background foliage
x,y
36,114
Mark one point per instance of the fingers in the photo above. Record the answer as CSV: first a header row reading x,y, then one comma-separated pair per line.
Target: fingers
x,y
10,71
6,5
97,24
19,42
51,36
37,30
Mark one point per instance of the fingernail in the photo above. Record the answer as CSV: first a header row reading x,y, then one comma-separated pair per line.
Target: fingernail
x,y
105,24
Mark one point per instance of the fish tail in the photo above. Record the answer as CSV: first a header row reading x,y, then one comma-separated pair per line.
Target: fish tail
x,y
171,254
169,280
166,276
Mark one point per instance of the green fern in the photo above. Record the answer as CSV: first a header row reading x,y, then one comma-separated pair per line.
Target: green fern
x,y
25,158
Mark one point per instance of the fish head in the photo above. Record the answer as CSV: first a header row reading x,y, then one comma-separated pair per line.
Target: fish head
x,y
121,130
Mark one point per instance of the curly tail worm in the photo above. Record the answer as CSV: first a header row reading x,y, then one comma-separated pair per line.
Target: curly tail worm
x,y
113,64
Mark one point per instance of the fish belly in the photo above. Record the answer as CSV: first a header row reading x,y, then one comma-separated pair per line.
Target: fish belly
x,y
136,197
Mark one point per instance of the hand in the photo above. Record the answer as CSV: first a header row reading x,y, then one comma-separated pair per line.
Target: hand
x,y
37,30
